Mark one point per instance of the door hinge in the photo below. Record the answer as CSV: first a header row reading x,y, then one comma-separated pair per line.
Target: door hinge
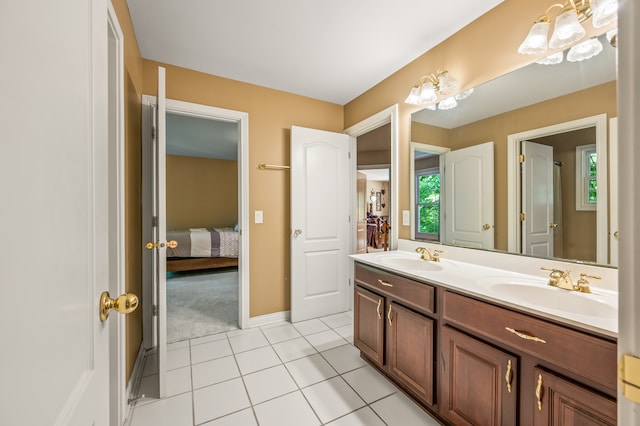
x,y
154,221
522,217
154,310
521,158
629,377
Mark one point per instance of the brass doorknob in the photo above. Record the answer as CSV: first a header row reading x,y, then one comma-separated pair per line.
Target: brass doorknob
x,y
486,226
124,304
553,225
171,244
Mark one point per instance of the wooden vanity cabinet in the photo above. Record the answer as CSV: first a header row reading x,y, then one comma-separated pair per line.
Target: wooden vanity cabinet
x,y
479,382
392,330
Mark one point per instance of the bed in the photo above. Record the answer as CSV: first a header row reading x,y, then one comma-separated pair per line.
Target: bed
x,y
202,248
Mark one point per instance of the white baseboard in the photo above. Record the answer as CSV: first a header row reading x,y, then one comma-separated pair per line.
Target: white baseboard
x,y
134,380
275,317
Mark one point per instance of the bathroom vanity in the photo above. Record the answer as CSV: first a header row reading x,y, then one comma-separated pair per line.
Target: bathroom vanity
x,y
477,345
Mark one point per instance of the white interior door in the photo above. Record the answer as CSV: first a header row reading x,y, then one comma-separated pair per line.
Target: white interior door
x,y
468,188
539,224
159,232
320,235
361,213
55,242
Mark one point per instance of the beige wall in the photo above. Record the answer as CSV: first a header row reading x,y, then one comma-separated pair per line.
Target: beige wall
x,y
566,108
483,50
271,115
201,192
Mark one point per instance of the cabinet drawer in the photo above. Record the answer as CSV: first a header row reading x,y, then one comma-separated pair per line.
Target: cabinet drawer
x,y
411,293
578,352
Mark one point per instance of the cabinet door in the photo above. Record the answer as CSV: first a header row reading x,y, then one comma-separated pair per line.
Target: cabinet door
x,y
479,382
560,402
368,333
410,350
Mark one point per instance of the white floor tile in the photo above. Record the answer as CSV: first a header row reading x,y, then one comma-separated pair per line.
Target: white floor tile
x,y
337,320
177,345
218,400
178,382
309,370
346,332
369,383
280,333
310,326
344,358
241,418
363,417
288,410
325,340
215,371
257,359
178,358
240,332
210,350
207,339
398,410
248,341
332,399
349,314
294,349
174,411
268,384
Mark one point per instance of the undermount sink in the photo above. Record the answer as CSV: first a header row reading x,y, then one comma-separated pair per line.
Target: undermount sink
x,y
554,298
408,263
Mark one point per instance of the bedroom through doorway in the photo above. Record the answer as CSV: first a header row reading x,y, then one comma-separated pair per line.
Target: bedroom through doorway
x,y
202,216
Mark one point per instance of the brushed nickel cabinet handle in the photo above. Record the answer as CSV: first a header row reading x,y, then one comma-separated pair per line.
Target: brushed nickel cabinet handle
x,y
384,283
524,335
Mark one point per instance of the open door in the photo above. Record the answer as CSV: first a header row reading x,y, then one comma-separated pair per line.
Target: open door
x,y
538,224
361,213
320,208
468,188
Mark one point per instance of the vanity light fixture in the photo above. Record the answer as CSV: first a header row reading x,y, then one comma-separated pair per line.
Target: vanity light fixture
x,y
568,28
584,50
430,86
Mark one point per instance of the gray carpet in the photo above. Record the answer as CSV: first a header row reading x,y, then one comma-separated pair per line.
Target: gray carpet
x,y
200,304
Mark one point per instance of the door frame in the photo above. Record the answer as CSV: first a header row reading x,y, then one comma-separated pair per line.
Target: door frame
x,y
386,116
119,410
513,179
212,113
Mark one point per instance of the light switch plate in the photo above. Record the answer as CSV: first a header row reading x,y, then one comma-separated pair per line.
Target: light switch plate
x,y
259,216
406,217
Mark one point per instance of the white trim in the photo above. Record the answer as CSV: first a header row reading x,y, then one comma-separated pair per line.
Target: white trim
x,y
613,192
582,182
118,407
386,116
134,382
513,179
242,118
276,317
413,146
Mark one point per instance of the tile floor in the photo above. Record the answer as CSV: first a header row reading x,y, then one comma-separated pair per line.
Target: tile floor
x,y
307,373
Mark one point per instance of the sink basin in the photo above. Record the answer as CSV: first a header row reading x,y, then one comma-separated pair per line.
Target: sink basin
x,y
409,264
553,298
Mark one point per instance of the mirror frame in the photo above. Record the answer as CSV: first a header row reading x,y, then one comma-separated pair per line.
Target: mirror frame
x,y
513,180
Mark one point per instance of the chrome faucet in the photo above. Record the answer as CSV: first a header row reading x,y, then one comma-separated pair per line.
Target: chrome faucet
x,y
562,279
426,254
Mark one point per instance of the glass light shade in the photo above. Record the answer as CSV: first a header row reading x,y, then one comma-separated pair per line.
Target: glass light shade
x,y
414,97
463,95
446,83
552,59
585,50
604,12
448,103
536,41
567,30
427,94
431,107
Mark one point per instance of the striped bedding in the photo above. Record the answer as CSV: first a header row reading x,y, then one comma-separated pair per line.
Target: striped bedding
x,y
204,242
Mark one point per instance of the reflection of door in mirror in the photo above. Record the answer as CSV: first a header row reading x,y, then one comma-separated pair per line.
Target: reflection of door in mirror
x,y
574,222
374,161
361,212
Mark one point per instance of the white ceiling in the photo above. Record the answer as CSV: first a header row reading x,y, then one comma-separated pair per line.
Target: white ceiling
x,y
332,50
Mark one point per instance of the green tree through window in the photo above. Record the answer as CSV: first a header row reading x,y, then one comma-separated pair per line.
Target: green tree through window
x,y
428,203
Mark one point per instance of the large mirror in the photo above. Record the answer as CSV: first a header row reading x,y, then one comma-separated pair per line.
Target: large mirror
x,y
545,131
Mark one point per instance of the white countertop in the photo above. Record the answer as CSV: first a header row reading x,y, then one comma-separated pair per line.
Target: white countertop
x,y
597,311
